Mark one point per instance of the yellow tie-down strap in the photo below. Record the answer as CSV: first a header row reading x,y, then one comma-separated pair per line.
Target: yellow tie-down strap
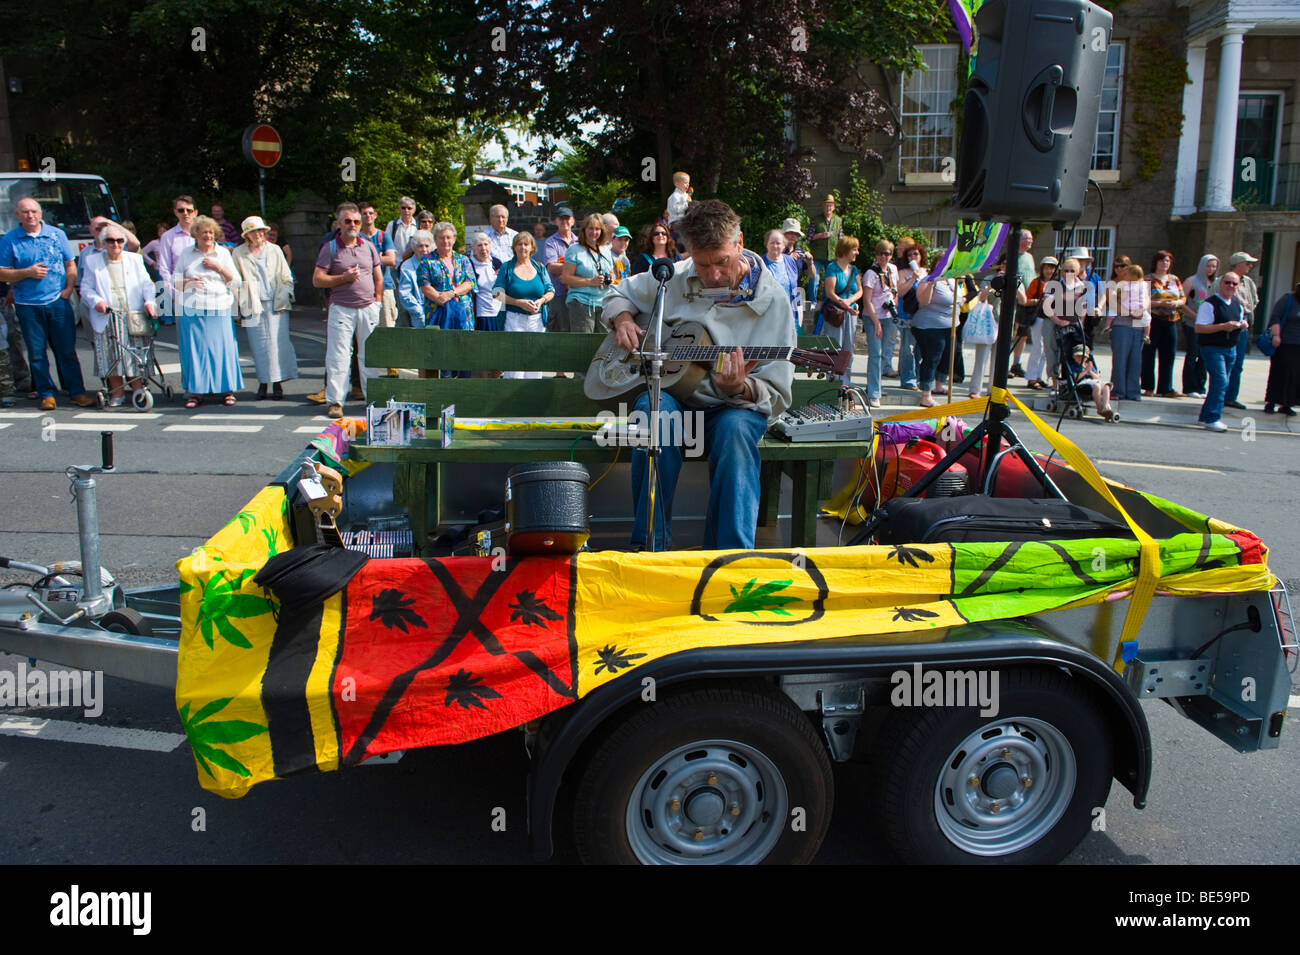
x,y
1149,565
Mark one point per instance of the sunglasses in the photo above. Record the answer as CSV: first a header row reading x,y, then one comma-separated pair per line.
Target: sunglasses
x,y
186,212
351,221
658,235
1230,284
116,241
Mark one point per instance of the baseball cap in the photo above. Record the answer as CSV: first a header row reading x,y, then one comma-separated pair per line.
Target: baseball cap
x,y
622,233
791,225
1238,257
563,211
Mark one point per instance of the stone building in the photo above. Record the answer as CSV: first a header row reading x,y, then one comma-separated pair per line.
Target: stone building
x,y
1197,148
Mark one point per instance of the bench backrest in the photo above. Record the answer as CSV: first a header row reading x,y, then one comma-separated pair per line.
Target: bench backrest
x,y
512,351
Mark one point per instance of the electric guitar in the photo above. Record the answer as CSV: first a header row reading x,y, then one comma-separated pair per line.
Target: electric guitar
x,y
691,354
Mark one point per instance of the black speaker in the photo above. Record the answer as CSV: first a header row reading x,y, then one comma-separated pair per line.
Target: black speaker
x,y
1030,115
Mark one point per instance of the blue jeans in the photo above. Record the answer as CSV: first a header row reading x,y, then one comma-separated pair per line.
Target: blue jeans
x,y
731,436
906,353
1217,361
932,343
875,363
51,326
1126,362
1234,372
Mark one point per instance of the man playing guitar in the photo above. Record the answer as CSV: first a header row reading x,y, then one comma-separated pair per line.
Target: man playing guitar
x,y
726,289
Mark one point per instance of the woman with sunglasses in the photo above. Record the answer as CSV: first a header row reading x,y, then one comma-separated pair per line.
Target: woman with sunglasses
x,y
1065,304
654,242
588,273
880,304
117,281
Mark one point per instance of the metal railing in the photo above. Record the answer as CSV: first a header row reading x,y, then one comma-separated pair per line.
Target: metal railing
x,y
1265,187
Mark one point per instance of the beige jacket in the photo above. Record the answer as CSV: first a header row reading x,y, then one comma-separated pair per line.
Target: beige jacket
x,y
762,320
249,290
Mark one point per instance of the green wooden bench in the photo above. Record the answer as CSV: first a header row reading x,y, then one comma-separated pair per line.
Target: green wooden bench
x,y
417,479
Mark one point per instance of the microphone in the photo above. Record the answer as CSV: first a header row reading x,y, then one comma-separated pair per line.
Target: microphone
x,y
662,269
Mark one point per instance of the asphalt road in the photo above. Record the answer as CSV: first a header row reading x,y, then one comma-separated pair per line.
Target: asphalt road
x,y
69,802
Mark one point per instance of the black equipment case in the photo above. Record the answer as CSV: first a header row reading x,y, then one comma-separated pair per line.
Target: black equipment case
x,y
975,518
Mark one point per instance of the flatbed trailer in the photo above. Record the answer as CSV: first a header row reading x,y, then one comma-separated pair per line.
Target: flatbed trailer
x,y
705,732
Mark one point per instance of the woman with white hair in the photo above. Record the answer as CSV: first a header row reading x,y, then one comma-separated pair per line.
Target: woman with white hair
x,y
487,310
117,281
447,281
265,297
205,275
408,277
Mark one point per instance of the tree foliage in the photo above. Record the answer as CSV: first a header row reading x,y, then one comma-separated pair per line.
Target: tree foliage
x,y
709,86
156,95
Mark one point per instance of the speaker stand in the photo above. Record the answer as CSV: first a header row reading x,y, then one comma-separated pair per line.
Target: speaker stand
x,y
994,427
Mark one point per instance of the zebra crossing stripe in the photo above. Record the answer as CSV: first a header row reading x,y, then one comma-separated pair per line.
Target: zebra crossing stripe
x,y
212,428
65,731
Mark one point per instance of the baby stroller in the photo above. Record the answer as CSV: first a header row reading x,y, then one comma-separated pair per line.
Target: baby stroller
x,y
129,353
1076,372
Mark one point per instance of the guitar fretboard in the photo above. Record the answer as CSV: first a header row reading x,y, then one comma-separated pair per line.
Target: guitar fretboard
x,y
711,352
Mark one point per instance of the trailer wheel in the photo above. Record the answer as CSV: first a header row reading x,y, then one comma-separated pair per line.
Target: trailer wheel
x,y
126,620
710,776
1019,787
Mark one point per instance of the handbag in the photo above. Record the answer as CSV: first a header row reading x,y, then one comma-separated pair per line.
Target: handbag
x,y
982,326
453,314
139,324
833,313
1265,343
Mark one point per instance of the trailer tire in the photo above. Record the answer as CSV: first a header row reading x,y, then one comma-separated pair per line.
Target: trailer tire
x,y
125,620
955,790
708,776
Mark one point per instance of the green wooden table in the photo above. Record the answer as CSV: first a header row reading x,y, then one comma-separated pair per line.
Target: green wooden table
x,y
418,481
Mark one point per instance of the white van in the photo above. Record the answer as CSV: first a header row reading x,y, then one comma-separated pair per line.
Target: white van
x,y
68,200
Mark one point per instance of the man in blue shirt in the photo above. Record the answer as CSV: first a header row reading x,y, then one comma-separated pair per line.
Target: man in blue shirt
x,y
38,260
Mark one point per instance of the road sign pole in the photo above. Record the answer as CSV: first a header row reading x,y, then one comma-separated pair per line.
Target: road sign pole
x,y
261,190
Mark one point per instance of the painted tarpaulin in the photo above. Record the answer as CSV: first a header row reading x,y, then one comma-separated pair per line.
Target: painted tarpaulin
x,y
419,652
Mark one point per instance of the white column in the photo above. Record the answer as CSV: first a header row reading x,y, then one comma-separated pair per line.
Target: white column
x,y
1223,148
1189,141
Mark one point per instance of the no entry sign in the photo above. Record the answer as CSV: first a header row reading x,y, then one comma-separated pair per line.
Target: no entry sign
x,y
262,146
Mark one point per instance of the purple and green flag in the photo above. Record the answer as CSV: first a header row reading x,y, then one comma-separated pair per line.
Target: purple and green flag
x,y
973,249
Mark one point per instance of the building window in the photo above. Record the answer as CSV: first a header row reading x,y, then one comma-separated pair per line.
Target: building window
x,y
1100,242
927,114
1106,152
935,240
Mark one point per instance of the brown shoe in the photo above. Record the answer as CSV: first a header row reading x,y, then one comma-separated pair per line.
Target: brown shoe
x,y
48,404
317,397
336,411
84,401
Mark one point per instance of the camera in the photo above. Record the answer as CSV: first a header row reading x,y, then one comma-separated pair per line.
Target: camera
x,y
890,308
998,283
606,279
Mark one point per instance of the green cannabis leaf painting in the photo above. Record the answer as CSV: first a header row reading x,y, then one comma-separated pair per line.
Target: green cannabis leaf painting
x,y
761,598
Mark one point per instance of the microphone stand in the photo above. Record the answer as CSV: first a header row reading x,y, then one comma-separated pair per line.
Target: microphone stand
x,y
652,364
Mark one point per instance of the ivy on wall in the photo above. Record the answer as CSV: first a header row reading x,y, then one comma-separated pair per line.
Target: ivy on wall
x,y
1157,75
